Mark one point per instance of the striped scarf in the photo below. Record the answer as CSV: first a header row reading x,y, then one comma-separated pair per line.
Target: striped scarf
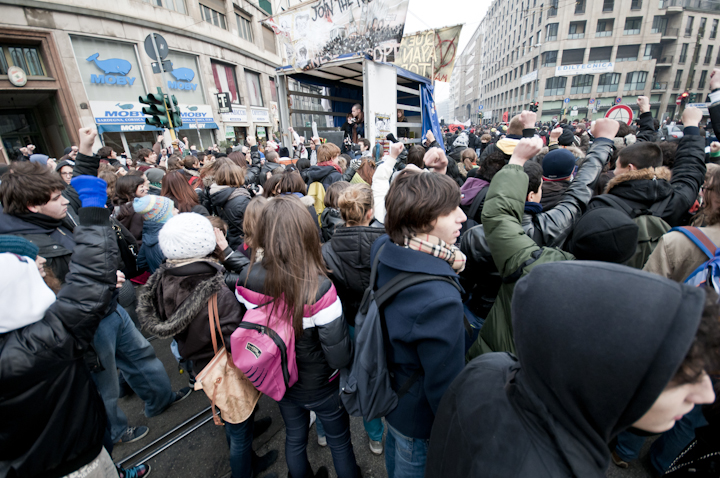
x,y
437,247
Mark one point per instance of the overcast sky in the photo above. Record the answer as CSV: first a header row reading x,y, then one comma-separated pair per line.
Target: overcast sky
x,y
426,14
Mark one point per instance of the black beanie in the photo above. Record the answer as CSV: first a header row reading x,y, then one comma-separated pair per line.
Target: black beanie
x,y
284,152
604,234
567,138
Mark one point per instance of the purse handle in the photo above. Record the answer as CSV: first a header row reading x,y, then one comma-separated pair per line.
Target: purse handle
x,y
214,322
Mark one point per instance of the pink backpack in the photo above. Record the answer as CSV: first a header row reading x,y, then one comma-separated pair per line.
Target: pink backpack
x,y
263,346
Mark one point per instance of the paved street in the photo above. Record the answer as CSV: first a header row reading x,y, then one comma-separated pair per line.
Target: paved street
x,y
204,452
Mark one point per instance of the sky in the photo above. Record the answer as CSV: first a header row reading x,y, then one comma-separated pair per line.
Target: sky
x,y
427,14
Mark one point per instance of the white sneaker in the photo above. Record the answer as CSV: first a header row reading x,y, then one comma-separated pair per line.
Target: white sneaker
x,y
313,417
376,447
322,441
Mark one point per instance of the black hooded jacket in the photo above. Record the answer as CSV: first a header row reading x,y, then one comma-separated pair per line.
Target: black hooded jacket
x,y
53,419
323,174
229,204
576,384
347,256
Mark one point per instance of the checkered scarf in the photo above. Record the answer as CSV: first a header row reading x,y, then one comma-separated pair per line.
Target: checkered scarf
x,y
437,247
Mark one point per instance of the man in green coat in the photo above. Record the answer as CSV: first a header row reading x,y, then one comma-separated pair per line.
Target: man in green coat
x,y
515,254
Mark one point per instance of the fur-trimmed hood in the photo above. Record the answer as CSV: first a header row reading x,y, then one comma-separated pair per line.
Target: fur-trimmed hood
x,y
152,306
640,174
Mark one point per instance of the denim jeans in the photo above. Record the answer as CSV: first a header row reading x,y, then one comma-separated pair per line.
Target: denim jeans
x,y
119,344
405,457
336,422
668,446
240,438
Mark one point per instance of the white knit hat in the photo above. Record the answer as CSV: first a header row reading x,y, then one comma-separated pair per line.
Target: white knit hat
x,y
187,236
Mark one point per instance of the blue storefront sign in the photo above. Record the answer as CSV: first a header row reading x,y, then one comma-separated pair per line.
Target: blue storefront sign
x,y
115,71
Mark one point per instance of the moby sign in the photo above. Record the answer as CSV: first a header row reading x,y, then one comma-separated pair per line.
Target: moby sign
x,y
111,65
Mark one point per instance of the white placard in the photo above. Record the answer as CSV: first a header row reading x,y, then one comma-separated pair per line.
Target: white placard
x,y
260,115
587,69
237,115
532,76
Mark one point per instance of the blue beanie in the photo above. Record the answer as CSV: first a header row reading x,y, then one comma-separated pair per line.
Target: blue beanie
x,y
558,164
18,245
39,159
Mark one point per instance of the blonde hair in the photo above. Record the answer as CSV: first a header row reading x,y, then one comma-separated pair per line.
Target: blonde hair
x,y
354,203
253,212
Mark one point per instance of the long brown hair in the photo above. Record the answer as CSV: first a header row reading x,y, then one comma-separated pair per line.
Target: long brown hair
x,y
176,187
292,260
126,187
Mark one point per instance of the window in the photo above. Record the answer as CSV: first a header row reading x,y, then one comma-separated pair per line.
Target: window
x,y
273,90
627,53
603,53
580,6
608,5
636,5
678,79
703,78
632,26
254,91
581,84
573,57
213,16
175,5
244,27
703,24
577,30
552,31
604,27
652,51
683,53
714,29
552,11
708,54
635,80
226,81
608,82
555,86
269,39
689,26
27,58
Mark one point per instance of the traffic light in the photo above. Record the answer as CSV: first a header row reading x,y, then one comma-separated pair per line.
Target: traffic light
x,y
156,109
691,98
684,96
176,117
481,115
534,106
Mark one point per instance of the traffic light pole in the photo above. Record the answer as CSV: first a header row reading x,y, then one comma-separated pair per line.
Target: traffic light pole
x,y
164,80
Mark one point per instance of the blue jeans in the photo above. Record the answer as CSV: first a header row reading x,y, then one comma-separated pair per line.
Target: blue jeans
x,y
120,345
374,428
240,438
668,446
405,457
336,422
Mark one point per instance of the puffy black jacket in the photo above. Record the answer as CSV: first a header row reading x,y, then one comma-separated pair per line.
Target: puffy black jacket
x,y
230,203
347,256
330,221
322,349
53,420
549,229
323,174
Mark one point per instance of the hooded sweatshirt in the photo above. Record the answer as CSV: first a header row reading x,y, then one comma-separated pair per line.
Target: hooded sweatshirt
x,y
578,380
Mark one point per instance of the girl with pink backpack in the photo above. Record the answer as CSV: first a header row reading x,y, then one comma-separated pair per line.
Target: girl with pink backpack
x,y
293,338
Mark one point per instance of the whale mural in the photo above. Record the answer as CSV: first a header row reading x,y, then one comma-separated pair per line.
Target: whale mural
x,y
126,106
111,65
184,74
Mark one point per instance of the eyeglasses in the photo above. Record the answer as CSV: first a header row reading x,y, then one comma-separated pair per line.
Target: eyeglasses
x,y
67,174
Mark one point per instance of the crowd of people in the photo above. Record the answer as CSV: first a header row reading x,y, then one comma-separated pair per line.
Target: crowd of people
x,y
532,304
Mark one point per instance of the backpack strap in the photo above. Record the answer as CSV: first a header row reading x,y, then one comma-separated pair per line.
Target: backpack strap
x,y
658,208
365,303
699,239
477,202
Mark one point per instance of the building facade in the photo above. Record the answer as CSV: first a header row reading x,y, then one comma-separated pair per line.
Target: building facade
x,y
579,58
465,93
86,65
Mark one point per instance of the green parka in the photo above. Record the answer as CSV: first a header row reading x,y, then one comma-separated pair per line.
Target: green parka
x,y
515,254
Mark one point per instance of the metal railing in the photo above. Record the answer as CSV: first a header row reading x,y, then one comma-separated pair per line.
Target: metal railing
x,y
671,32
660,85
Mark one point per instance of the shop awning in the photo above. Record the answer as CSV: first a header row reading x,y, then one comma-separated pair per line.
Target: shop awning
x,y
117,128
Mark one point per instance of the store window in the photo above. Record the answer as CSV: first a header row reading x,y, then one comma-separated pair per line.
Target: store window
x,y
110,70
184,81
226,81
244,25
254,89
581,84
26,57
213,16
555,86
635,80
608,82
175,5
